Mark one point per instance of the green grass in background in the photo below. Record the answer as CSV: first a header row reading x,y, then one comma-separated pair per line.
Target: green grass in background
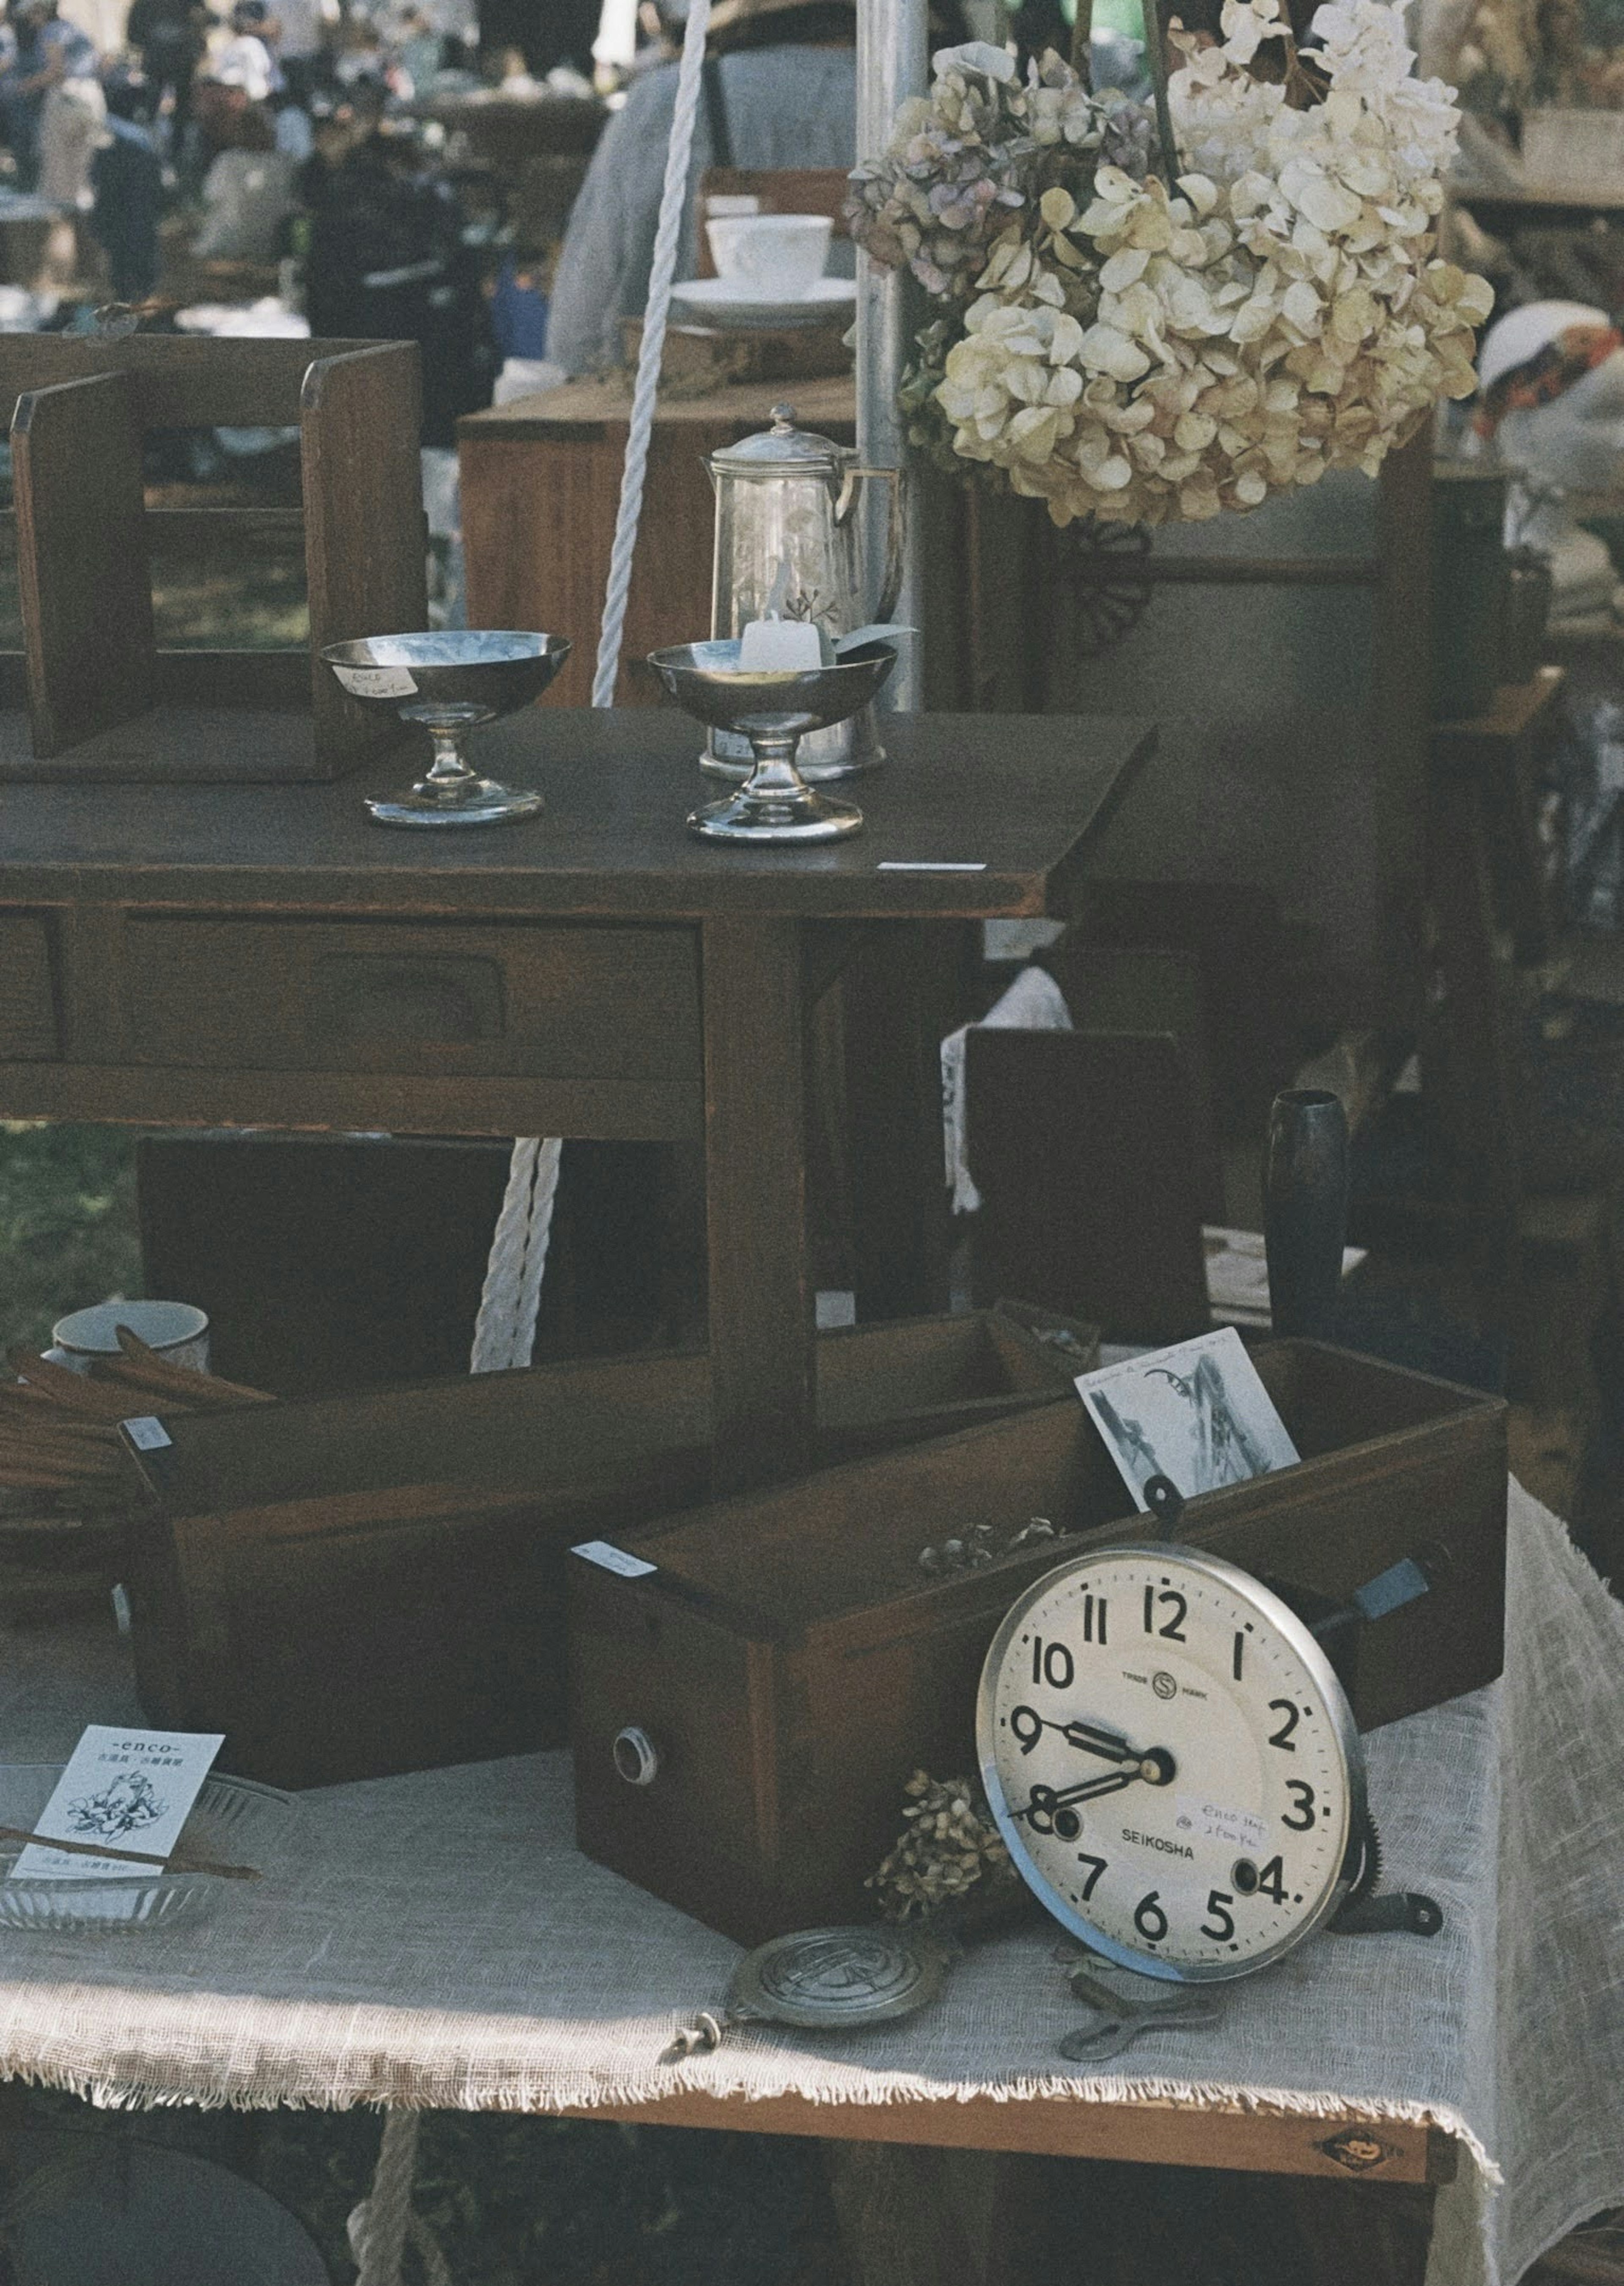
x,y
67,1225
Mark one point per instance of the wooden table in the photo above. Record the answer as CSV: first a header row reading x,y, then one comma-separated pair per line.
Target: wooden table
x,y
240,955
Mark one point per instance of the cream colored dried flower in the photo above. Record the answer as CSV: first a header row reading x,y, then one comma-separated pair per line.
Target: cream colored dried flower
x,y
1281,314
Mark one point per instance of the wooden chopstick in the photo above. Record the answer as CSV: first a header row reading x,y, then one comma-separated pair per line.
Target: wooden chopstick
x,y
182,1380
177,1862
74,1392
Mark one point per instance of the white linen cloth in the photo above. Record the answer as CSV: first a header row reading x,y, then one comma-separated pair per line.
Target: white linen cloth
x,y
1034,1003
435,1941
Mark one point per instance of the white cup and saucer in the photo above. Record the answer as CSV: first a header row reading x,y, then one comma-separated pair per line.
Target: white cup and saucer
x,y
175,1330
769,272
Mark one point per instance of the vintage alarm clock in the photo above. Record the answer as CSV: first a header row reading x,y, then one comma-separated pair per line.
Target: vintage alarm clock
x,y
1173,1763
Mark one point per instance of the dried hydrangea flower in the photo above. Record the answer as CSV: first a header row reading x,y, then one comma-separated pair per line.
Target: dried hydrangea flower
x,y
1143,355
948,1844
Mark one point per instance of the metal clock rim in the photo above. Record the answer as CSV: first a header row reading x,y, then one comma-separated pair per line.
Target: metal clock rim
x,y
1322,1674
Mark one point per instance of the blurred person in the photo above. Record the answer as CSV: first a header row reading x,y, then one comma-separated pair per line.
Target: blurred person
x,y
168,35
47,65
421,50
126,179
385,259
248,194
781,91
245,59
305,28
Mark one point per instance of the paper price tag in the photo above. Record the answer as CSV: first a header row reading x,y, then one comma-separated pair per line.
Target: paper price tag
x,y
378,682
148,1433
614,1559
1214,1823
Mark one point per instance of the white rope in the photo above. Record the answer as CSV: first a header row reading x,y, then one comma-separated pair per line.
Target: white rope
x,y
505,1331
384,2226
673,199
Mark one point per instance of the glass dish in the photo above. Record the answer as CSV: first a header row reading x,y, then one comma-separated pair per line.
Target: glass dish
x,y
234,1821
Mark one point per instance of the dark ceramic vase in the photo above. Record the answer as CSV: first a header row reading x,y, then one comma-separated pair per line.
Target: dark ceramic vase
x,y
1305,1209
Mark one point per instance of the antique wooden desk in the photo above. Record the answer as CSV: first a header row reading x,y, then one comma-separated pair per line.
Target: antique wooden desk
x,y
256,955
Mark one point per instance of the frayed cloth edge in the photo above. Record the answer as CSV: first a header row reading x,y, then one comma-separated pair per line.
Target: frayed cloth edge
x,y
519,2094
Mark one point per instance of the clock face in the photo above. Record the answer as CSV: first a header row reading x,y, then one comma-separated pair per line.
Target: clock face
x,y
1170,1759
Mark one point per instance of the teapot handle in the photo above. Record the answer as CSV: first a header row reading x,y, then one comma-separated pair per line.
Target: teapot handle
x,y
897,530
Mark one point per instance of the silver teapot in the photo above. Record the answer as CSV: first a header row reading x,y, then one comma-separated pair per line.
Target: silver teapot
x,y
787,543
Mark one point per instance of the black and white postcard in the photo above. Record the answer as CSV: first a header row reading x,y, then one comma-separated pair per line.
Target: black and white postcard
x,y
1196,1414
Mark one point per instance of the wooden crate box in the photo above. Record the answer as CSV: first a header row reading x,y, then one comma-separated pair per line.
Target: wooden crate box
x,y
375,1583
792,1664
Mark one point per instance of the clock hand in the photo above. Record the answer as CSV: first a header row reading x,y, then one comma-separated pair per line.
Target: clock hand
x,y
1153,1764
1050,1809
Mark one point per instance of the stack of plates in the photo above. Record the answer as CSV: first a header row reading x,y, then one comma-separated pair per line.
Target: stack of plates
x,y
730,302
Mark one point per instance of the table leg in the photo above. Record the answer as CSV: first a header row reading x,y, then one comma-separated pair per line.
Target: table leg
x,y
760,1297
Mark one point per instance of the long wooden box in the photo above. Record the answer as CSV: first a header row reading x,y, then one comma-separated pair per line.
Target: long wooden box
x,y
790,1663
372,1584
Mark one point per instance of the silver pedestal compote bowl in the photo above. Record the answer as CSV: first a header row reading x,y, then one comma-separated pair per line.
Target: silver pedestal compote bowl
x,y
774,709
450,683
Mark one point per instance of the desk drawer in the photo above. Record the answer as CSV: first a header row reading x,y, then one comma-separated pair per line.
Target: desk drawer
x,y
29,1028
557,1002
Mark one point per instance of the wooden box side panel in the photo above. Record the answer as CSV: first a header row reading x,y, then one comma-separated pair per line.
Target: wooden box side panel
x,y
391,1646
365,543
707,1834
867,1715
356,1636
1333,1399
546,1425
82,560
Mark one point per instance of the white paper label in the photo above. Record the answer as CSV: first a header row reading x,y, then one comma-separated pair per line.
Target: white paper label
x,y
926,865
133,1789
378,682
613,1559
1209,1819
148,1433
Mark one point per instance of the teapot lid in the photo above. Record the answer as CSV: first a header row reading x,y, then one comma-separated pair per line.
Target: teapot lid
x,y
782,448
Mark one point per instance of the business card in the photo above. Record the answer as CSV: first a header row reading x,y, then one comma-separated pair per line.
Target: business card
x,y
129,1789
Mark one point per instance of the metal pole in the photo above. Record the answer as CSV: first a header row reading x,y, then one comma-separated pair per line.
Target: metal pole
x,y
893,40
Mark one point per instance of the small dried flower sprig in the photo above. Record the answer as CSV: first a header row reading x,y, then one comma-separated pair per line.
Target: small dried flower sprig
x,y
949,1845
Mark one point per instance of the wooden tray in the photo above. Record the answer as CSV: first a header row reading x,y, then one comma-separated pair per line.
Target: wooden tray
x,y
371,1584
792,1664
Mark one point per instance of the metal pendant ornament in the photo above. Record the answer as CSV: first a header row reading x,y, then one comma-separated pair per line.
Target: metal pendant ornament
x,y
825,1980
1173,1763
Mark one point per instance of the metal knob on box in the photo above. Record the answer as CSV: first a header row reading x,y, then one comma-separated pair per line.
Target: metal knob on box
x,y
637,1757
786,527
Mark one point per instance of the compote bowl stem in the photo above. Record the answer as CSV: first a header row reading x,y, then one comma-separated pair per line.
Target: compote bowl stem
x,y
449,772
775,776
